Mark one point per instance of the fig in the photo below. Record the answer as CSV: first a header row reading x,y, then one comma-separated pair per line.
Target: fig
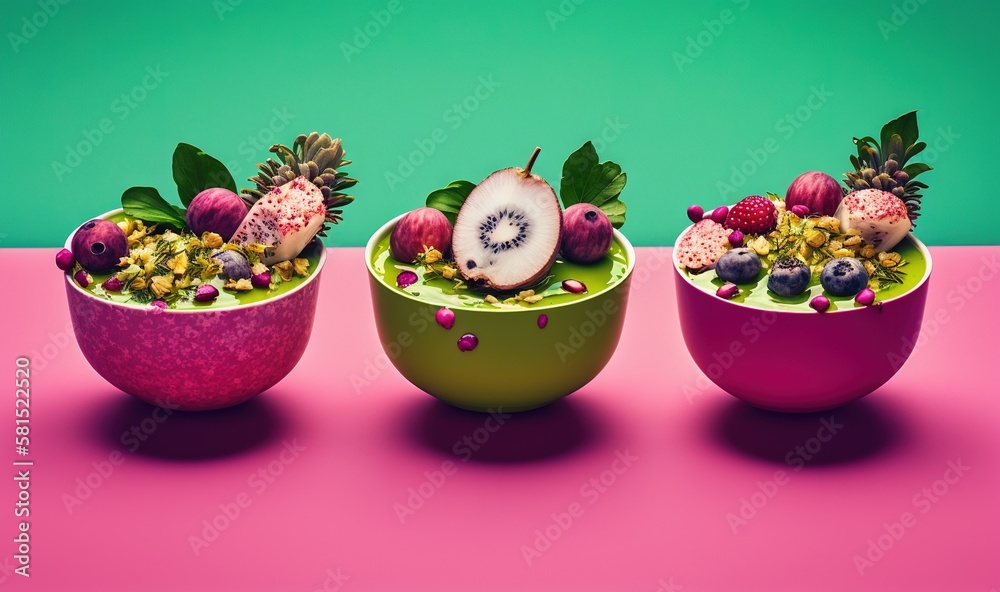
x,y
423,227
234,265
216,210
99,245
817,191
586,233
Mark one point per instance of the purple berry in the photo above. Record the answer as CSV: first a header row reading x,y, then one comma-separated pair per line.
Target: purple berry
x,y
720,214
468,342
406,278
261,280
695,213
445,317
82,277
206,293
844,276
586,234
574,286
727,291
865,297
819,303
738,266
736,238
112,284
800,210
65,259
159,304
216,210
789,277
99,245
543,321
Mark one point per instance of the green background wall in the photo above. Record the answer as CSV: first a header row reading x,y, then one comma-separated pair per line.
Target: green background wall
x,y
680,97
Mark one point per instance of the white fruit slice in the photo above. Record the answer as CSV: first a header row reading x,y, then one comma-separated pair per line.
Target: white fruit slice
x,y
879,216
284,220
507,232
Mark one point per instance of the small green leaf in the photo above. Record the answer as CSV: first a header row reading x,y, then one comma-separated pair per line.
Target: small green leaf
x,y
196,171
450,199
615,210
575,173
914,149
915,168
905,125
146,204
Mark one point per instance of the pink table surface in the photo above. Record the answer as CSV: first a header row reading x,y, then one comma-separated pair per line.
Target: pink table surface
x,y
646,479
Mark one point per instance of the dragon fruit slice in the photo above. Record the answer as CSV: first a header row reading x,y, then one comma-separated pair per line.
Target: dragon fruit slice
x,y
284,220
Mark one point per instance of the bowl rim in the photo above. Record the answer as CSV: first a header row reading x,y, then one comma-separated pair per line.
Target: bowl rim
x,y
386,228
909,235
206,310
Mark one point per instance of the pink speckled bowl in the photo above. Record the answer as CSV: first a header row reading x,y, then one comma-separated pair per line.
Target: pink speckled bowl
x,y
194,360
799,361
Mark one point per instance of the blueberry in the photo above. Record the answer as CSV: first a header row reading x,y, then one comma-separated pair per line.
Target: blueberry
x,y
789,277
739,266
844,276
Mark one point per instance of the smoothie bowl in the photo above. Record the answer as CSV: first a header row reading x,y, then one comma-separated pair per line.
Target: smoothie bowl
x,y
807,302
205,307
493,297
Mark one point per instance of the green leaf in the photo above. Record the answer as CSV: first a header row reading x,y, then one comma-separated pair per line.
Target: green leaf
x,y
146,204
895,149
450,199
195,171
615,210
914,149
905,125
576,170
915,168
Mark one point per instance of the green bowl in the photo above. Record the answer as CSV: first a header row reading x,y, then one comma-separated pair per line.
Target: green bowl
x,y
516,365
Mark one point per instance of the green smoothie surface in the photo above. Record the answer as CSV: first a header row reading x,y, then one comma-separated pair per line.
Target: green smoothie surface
x,y
757,295
438,291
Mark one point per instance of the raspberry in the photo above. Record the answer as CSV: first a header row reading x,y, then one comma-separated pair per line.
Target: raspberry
x,y
752,215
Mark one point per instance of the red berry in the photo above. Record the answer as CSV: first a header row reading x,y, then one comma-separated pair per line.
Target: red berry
x,y
719,214
695,212
753,215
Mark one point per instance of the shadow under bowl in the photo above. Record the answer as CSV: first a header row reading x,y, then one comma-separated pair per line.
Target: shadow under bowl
x,y
516,365
195,360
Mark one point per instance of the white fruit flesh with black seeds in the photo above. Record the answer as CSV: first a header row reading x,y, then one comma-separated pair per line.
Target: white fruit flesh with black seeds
x,y
507,232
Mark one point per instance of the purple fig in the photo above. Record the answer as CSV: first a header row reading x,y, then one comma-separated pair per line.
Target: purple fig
x,y
586,233
817,191
65,259
423,227
99,245
216,210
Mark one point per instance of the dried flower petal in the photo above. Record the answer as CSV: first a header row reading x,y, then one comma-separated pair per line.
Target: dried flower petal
x,y
178,264
301,266
284,269
211,240
241,285
161,285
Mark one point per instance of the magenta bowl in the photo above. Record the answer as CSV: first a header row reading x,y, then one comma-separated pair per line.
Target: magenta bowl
x,y
761,356
194,360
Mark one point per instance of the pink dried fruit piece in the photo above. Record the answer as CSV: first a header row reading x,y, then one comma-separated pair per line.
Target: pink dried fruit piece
x,y
586,233
65,259
82,278
158,304
468,342
113,284
284,220
701,246
206,293
261,280
800,211
99,245
820,303
216,210
445,317
543,321
406,278
423,227
574,286
727,291
720,214
866,297
695,212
